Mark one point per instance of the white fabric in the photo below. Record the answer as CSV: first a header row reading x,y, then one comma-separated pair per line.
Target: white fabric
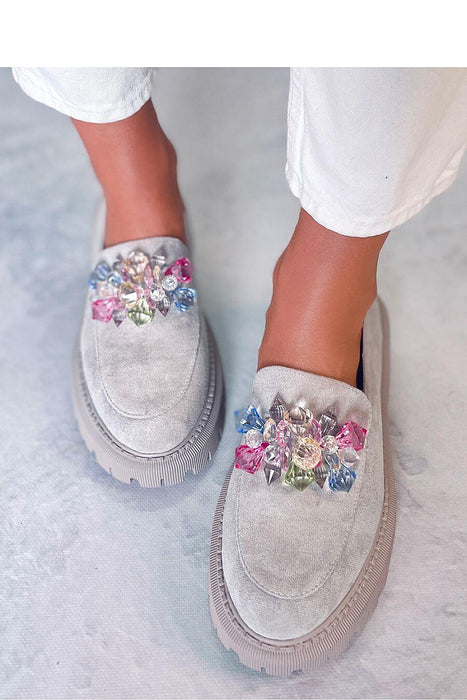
x,y
367,147
90,94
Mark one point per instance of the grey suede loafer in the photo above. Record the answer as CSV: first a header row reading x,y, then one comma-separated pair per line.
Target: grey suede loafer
x,y
295,572
147,378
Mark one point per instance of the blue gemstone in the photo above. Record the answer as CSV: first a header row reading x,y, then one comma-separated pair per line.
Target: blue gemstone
x,y
114,278
99,274
184,298
247,419
341,480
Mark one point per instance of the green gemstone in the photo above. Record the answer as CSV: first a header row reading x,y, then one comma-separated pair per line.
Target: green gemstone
x,y
298,477
141,313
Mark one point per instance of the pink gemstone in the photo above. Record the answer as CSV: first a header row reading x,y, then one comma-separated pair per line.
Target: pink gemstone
x,y
351,435
102,309
181,269
148,279
284,435
248,458
148,297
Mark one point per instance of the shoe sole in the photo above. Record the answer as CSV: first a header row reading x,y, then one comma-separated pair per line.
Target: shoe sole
x,y
333,636
152,471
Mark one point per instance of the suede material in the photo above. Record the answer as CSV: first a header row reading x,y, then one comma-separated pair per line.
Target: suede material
x,y
149,383
290,558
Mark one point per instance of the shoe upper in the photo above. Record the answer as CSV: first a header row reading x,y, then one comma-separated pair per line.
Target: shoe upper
x,y
290,557
147,383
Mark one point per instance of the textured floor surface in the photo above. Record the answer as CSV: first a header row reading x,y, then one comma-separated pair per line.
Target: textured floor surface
x,y
103,586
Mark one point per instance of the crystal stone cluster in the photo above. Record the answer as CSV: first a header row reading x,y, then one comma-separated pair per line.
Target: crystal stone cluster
x,y
290,440
138,286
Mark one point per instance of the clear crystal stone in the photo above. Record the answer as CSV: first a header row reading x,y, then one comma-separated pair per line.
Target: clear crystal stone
x,y
272,453
297,415
329,443
327,422
253,438
105,289
128,295
270,430
331,459
114,278
349,457
157,293
156,274
169,283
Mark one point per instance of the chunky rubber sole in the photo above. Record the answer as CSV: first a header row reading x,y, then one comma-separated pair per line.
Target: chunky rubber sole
x,y
155,470
332,637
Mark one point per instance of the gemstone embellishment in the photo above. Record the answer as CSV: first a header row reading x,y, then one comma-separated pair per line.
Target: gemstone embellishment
x,y
181,269
184,298
141,313
248,418
102,309
248,458
253,438
138,286
306,453
351,435
296,449
299,478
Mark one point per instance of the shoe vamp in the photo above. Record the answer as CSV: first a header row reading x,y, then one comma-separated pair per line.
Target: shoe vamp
x,y
147,370
290,542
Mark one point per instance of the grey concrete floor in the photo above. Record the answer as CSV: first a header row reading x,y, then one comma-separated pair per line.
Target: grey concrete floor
x,y
103,586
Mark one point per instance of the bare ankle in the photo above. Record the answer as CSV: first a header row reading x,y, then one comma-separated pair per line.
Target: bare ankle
x,y
323,286
137,167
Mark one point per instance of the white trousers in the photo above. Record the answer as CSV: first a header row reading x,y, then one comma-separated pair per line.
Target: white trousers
x,y
367,148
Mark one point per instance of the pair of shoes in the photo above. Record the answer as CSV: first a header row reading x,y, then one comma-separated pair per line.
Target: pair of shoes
x,y
304,526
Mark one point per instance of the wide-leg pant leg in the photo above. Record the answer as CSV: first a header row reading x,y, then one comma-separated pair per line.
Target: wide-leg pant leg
x,y
97,95
369,147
